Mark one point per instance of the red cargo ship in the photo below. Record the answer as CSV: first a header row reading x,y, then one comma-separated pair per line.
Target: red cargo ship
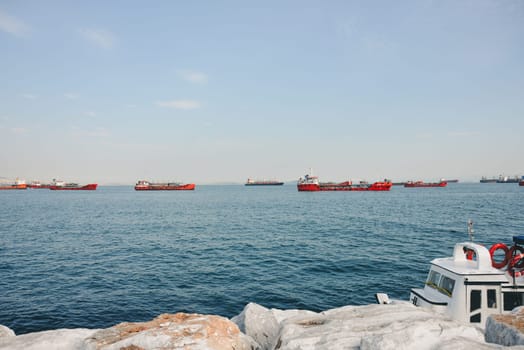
x,y
143,185
311,184
442,183
63,186
18,185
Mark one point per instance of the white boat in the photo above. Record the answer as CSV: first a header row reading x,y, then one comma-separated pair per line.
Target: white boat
x,y
473,283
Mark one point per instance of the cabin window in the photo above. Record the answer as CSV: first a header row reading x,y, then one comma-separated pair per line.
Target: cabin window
x,y
492,298
446,285
475,300
512,300
475,318
441,283
433,279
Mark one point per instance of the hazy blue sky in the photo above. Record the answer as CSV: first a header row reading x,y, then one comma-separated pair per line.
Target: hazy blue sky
x,y
218,91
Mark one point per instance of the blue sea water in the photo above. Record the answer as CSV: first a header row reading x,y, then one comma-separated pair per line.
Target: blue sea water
x,y
95,258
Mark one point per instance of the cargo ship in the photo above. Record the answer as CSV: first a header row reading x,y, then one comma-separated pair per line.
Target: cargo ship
x,y
441,183
521,182
251,182
71,186
143,185
311,184
17,185
500,180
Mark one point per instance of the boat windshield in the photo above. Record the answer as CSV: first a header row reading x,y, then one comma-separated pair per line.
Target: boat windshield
x,y
433,279
443,284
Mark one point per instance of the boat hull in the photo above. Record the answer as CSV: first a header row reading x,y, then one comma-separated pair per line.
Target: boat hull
x,y
264,184
184,187
521,183
38,186
13,187
88,187
431,184
344,186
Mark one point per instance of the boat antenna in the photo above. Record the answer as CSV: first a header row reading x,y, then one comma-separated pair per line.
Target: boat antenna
x,y
471,231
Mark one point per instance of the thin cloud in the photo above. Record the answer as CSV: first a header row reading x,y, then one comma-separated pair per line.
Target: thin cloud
x,y
179,104
99,37
90,114
13,25
71,96
29,96
193,76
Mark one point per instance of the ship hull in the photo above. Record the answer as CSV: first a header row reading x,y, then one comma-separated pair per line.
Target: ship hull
x,y
13,187
39,186
432,184
344,186
185,187
265,184
89,187
521,183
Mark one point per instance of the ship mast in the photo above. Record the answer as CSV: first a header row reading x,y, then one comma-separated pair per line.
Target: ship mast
x,y
471,231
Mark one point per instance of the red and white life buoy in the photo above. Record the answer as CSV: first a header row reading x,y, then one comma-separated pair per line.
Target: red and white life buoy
x,y
514,251
507,255
514,265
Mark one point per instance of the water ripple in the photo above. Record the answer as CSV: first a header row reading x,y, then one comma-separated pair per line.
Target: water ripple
x,y
96,259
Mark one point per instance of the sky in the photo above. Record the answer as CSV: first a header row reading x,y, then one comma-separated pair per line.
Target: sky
x,y
219,91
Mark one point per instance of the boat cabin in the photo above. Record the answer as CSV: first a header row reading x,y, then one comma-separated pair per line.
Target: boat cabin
x,y
468,288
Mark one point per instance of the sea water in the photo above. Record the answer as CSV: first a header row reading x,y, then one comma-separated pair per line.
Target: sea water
x,y
92,259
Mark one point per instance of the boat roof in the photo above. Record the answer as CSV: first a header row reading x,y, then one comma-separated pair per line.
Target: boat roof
x,y
481,265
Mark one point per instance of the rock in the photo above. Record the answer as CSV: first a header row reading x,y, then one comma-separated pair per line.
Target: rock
x,y
6,332
263,325
168,331
506,329
60,339
395,326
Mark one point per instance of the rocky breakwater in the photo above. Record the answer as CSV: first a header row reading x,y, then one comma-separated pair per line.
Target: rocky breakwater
x,y
506,329
395,326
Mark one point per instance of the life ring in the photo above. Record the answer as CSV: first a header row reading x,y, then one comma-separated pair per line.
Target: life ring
x,y
507,256
515,251
513,265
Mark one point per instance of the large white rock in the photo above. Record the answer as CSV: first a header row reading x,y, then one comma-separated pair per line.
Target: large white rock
x,y
60,339
6,332
394,326
263,325
167,331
